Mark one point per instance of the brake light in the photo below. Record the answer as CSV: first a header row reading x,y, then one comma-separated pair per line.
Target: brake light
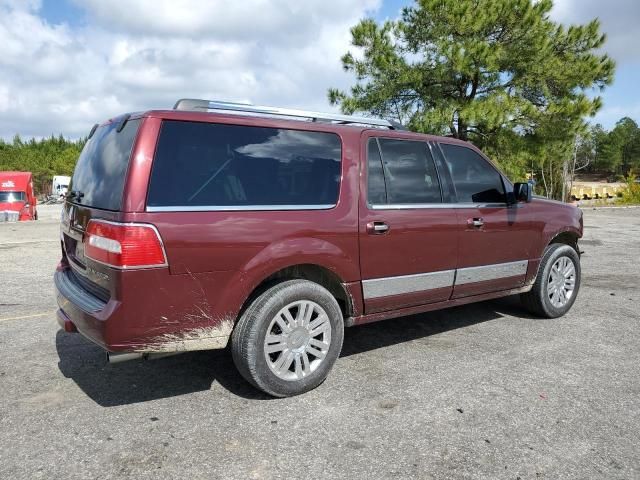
x,y
124,245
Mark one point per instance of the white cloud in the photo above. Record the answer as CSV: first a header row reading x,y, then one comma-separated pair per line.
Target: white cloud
x,y
619,19
141,54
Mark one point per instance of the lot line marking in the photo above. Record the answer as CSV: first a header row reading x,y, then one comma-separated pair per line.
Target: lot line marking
x,y
27,316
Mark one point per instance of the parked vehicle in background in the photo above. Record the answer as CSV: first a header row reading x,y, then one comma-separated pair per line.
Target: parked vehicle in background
x,y
17,198
273,229
60,185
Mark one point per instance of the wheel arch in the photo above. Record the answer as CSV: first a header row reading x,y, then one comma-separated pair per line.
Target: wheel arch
x,y
568,237
316,273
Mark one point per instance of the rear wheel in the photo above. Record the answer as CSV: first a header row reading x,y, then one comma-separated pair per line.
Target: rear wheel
x,y
557,284
287,340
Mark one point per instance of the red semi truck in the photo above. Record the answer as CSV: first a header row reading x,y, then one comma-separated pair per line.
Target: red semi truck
x,y
17,198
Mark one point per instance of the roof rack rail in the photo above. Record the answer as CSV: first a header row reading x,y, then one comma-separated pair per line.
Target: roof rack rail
x,y
240,108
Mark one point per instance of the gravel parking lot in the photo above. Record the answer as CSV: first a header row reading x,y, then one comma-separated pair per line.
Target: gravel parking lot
x,y
481,391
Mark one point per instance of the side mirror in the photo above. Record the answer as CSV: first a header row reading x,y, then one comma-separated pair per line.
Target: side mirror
x,y
522,192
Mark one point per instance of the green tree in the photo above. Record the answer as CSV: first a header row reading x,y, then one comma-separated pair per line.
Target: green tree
x,y
625,137
607,151
481,70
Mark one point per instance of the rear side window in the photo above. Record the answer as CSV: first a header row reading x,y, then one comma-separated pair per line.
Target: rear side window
x,y
102,167
410,173
226,166
475,180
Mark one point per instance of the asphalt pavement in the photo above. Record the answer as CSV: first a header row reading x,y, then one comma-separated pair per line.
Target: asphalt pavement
x,y
480,391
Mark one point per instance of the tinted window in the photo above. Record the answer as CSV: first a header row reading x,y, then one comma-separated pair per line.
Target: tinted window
x,y
409,172
377,193
102,166
206,164
474,178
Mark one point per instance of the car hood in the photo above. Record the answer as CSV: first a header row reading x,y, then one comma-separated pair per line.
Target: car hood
x,y
549,201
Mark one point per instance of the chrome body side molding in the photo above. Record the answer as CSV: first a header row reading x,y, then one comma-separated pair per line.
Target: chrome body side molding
x,y
383,287
491,272
423,282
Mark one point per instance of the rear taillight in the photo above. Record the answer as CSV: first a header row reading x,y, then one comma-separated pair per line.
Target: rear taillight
x,y
124,245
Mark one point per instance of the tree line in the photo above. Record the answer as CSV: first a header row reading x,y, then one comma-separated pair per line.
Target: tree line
x,y
615,152
498,73
44,158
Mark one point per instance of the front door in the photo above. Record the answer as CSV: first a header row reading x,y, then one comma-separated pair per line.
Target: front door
x,y
495,238
408,236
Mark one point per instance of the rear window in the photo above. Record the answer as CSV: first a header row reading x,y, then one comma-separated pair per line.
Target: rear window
x,y
102,166
214,166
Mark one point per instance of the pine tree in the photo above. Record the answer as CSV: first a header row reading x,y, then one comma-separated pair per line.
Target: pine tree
x,y
472,68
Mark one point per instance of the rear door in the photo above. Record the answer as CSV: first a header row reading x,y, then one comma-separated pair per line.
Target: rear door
x,y
495,238
408,236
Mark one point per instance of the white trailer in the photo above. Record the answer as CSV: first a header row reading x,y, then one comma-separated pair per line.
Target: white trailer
x,y
60,185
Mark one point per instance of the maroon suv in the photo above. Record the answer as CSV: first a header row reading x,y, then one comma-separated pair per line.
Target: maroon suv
x,y
271,230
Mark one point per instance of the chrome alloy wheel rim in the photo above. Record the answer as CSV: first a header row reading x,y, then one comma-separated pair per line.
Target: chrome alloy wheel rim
x,y
297,340
562,282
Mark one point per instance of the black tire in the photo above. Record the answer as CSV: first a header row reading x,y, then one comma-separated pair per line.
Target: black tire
x,y
248,338
537,300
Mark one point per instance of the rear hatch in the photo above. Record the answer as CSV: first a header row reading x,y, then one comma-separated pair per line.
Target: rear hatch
x,y
96,192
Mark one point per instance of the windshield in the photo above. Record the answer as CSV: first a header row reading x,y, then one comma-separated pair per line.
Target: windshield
x,y
10,197
101,169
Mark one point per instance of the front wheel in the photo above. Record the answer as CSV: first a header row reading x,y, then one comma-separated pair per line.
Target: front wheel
x,y
557,283
287,340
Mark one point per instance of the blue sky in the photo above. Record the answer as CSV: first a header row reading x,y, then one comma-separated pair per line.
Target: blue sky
x,y
66,64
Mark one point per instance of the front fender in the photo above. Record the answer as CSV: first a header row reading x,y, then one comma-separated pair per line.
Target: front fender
x,y
553,230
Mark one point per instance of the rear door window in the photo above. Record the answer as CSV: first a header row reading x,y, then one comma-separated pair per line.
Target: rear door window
x,y
475,180
409,172
205,166
102,167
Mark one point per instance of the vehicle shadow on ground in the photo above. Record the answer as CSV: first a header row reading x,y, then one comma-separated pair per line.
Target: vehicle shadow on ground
x,y
140,381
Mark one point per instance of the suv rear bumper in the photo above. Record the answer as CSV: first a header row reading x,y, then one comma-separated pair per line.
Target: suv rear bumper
x,y
136,318
80,311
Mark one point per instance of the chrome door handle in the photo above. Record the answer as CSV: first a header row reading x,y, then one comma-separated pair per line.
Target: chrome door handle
x,y
475,222
377,228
